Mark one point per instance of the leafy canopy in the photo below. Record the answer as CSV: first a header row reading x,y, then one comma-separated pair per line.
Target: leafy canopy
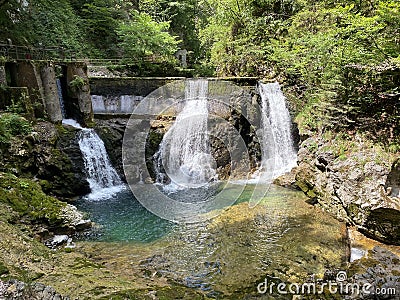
x,y
142,36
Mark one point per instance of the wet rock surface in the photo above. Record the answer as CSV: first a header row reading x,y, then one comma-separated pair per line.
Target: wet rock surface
x,y
378,275
112,133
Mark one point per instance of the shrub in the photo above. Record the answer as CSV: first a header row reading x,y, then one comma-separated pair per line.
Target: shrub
x,y
13,125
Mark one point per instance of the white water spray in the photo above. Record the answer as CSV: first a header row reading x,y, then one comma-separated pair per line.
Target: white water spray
x,y
184,151
103,180
279,155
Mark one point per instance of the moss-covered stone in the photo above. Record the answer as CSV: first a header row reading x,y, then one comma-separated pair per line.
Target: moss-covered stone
x,y
3,269
27,198
350,176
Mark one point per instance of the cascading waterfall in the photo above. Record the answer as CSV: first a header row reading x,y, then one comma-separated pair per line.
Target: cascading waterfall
x,y
184,152
61,98
102,177
279,155
101,173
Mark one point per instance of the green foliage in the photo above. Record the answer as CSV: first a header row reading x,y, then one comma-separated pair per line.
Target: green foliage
x,y
77,83
142,37
100,24
41,23
238,32
185,18
312,45
12,125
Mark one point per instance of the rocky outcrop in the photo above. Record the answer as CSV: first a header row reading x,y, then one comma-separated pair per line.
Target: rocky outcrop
x,y
377,275
18,290
46,214
51,154
354,180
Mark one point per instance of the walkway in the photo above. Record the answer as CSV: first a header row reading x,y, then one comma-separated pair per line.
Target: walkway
x,y
59,54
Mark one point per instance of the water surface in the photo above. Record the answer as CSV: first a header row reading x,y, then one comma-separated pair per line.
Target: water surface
x,y
282,237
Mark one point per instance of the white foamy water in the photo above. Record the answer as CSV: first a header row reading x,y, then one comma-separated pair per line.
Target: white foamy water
x,y
72,122
278,153
102,177
184,151
103,180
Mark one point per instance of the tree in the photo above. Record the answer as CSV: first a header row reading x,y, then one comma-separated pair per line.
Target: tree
x,y
101,21
35,23
186,17
141,36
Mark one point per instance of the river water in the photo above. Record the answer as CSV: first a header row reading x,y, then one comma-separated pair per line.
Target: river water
x,y
283,238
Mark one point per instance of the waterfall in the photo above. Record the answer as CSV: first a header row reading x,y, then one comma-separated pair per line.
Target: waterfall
x,y
102,177
279,155
61,98
103,180
184,152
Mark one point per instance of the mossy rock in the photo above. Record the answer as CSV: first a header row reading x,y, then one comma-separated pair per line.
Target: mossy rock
x,y
3,269
27,198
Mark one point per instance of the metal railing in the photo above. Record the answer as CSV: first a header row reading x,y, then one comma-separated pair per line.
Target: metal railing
x,y
14,52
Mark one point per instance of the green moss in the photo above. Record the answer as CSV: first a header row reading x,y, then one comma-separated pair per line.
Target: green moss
x,y
82,263
27,199
12,125
178,292
3,269
311,194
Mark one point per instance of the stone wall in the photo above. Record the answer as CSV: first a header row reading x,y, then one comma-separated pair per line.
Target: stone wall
x,y
120,96
32,85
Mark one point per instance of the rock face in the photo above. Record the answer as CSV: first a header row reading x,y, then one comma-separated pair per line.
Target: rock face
x,y
52,155
354,181
15,290
378,273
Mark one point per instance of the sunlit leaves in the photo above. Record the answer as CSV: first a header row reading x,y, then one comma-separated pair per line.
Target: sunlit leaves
x,y
141,36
